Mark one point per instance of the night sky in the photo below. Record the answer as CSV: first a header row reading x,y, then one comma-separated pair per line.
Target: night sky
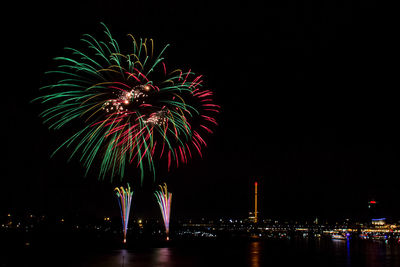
x,y
307,96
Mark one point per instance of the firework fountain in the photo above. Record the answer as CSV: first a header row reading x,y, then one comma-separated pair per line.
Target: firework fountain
x,y
164,200
124,201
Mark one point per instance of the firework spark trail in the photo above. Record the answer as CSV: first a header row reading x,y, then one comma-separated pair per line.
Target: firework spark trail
x,y
164,201
121,105
124,201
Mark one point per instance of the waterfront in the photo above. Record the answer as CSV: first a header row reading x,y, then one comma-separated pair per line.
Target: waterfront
x,y
227,252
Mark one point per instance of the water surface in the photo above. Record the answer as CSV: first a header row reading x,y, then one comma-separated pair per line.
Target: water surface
x,y
218,253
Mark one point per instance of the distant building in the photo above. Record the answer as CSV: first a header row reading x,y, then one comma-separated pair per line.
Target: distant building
x,y
372,209
372,204
251,216
379,222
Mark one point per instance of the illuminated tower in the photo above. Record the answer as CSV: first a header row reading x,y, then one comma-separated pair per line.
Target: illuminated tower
x,y
255,202
253,214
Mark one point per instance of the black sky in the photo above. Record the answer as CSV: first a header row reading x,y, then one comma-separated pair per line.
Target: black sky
x,y
307,96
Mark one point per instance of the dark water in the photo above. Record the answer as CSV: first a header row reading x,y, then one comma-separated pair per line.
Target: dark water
x,y
219,253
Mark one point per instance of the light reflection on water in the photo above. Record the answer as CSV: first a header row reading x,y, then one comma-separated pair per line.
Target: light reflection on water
x,y
256,253
162,257
365,253
348,254
124,257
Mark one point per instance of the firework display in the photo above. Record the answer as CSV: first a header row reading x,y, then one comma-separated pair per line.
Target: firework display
x,y
164,201
124,201
126,108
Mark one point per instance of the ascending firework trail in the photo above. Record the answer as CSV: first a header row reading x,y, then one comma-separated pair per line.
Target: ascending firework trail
x,y
124,107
